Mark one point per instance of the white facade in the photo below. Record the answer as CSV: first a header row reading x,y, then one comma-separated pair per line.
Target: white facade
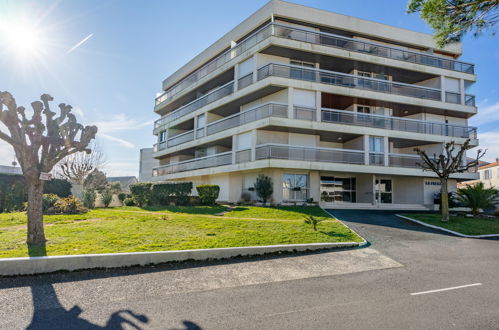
x,y
330,106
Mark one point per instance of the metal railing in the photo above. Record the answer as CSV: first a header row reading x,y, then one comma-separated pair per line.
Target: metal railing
x,y
310,154
469,100
250,115
180,138
215,63
372,48
220,159
159,146
243,156
347,80
451,97
321,38
245,81
199,132
398,124
303,113
212,96
404,160
376,158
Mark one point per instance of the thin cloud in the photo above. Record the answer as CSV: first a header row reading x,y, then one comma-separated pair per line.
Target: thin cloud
x,y
120,122
80,43
124,143
486,114
488,140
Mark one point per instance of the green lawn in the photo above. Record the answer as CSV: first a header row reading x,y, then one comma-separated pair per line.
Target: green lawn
x,y
128,229
463,225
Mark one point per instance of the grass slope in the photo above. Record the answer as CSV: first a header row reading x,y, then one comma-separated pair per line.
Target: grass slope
x,y
132,229
463,225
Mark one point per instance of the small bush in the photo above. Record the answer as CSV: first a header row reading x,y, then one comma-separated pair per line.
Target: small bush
x,y
122,196
208,193
313,221
48,201
245,197
128,202
89,197
264,188
68,205
107,197
496,212
164,193
141,193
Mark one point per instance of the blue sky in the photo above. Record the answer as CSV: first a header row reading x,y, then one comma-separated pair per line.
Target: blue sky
x,y
108,59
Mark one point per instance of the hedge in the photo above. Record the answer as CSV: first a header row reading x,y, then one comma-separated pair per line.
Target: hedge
x,y
141,193
208,193
13,192
165,193
59,187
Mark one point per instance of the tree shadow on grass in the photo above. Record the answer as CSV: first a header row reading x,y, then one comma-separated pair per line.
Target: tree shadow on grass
x,y
201,210
37,250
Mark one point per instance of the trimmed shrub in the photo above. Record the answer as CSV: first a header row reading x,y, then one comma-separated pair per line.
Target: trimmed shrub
x,y
68,205
13,192
128,201
164,193
122,196
141,193
89,197
48,201
264,188
59,187
107,197
208,193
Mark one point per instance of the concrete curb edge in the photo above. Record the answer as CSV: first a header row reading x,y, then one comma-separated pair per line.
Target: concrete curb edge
x,y
361,244
49,264
447,230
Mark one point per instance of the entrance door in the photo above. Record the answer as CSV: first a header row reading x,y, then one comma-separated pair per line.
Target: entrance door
x,y
383,191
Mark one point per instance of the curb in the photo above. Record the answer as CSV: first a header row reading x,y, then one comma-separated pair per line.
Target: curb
x,y
361,244
49,264
447,230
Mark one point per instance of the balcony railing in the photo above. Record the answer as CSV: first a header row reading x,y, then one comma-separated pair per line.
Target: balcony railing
x,y
180,138
245,81
247,116
372,48
398,124
451,97
220,159
469,100
215,63
212,96
376,158
347,80
309,154
321,38
303,113
404,160
243,156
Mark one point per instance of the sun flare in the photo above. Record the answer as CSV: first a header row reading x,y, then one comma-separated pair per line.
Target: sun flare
x,y
21,38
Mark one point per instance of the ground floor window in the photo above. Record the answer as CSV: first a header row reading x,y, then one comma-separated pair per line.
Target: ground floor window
x,y
295,187
383,191
336,189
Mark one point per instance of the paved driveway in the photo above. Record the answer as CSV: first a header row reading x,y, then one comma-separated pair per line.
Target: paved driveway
x,y
366,288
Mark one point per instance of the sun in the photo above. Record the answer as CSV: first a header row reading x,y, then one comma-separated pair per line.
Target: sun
x,y
22,38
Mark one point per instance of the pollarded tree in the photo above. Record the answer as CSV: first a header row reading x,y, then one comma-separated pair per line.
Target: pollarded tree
x,y
450,161
76,167
39,144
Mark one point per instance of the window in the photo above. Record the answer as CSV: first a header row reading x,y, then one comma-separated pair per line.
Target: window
x,y
487,174
295,187
363,109
162,136
383,193
335,189
201,121
376,144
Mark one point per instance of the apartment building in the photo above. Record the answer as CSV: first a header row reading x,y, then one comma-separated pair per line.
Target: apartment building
x,y
329,106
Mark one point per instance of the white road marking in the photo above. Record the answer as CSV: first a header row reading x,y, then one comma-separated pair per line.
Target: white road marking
x,y
445,289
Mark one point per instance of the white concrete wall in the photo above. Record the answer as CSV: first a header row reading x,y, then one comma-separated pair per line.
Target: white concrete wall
x,y
278,97
263,137
147,163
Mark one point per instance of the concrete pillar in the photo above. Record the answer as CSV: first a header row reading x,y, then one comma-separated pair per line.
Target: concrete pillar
x,y
234,144
386,150
374,189
442,88
318,105
276,175
366,149
236,77
253,145
195,127
462,91
291,112
314,186
255,67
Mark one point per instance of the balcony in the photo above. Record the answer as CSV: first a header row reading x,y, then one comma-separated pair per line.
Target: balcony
x,y
321,38
309,154
397,124
224,158
348,80
404,160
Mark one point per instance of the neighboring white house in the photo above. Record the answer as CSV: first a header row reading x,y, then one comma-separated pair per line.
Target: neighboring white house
x,y
489,175
4,169
329,106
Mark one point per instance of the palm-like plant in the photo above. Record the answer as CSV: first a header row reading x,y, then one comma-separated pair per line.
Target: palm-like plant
x,y
311,220
478,197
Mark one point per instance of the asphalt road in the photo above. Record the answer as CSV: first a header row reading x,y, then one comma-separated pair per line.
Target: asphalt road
x,y
383,286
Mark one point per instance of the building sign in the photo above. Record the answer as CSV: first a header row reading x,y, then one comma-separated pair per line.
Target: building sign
x,y
432,183
44,176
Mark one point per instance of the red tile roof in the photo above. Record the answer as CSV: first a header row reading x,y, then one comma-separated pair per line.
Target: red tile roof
x,y
489,165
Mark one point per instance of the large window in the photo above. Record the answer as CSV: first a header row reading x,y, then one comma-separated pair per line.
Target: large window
x,y
162,136
383,191
295,187
335,189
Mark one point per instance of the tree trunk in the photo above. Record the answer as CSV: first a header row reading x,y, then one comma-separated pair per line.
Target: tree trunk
x,y
444,200
36,234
